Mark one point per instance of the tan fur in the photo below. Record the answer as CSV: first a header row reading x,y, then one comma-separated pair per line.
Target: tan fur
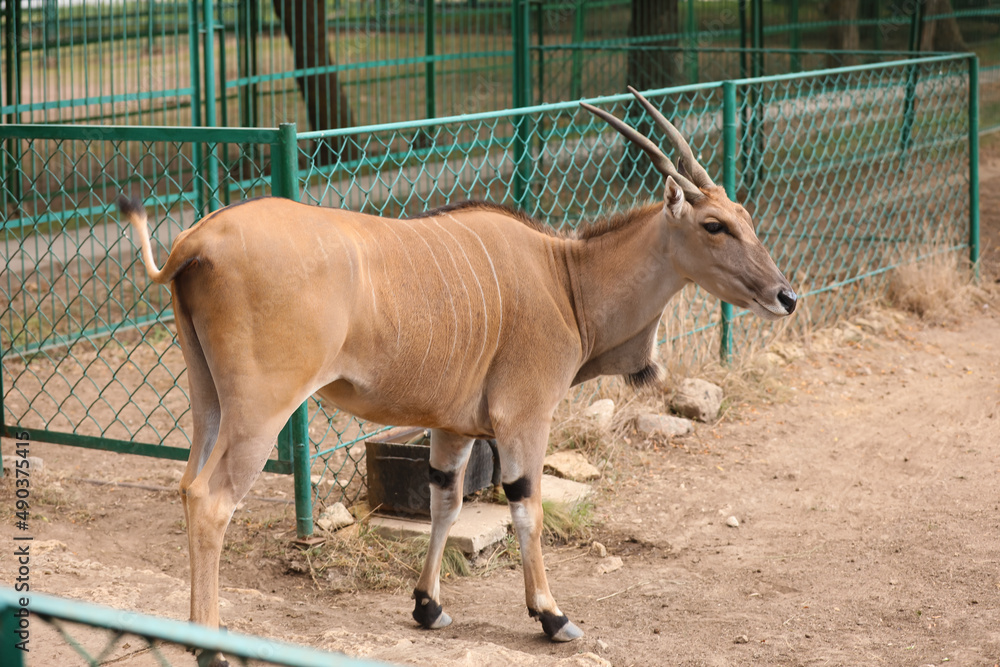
x,y
469,321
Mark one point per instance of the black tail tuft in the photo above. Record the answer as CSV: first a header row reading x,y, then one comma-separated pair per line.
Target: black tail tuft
x,y
129,207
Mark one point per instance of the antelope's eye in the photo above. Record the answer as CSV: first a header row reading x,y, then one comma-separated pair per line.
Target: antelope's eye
x,y
714,227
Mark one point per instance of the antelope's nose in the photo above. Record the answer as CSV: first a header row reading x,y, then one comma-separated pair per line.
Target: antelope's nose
x,y
787,299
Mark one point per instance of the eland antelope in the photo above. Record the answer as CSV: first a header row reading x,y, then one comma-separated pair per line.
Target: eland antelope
x,y
471,320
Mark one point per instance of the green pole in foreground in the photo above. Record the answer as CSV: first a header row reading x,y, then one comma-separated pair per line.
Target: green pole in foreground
x,y
729,148
974,162
294,437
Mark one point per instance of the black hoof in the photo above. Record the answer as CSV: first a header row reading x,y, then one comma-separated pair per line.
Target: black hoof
x,y
211,659
557,628
428,613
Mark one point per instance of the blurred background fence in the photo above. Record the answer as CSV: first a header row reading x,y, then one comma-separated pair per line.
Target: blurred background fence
x,y
258,64
853,160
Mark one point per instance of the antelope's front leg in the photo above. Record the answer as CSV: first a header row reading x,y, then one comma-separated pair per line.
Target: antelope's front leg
x,y
521,468
449,456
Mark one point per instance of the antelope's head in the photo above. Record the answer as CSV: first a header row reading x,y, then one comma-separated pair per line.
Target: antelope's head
x,y
711,239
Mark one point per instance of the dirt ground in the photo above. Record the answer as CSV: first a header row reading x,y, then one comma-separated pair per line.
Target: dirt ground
x,y
866,483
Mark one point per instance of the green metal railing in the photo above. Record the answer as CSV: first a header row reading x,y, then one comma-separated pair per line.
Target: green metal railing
x,y
849,172
60,631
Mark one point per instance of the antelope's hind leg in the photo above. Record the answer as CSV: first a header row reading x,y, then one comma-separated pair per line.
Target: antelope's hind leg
x,y
449,456
521,462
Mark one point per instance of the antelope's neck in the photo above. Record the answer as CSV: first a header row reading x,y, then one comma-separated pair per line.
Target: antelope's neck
x,y
621,281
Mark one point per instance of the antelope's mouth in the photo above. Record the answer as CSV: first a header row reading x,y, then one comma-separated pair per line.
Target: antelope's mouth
x,y
767,312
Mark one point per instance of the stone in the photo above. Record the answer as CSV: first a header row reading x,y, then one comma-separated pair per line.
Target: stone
x,y
742,639
599,550
787,351
334,517
600,413
571,465
653,424
610,564
698,399
319,480
35,463
565,491
733,522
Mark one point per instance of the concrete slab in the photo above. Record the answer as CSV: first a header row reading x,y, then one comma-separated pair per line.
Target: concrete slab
x,y
479,525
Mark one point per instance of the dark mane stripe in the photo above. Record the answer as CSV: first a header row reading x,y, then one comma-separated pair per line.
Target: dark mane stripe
x,y
478,205
616,220
599,227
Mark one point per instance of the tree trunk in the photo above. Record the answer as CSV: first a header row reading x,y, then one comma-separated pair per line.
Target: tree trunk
x,y
941,34
650,69
304,23
843,37
653,69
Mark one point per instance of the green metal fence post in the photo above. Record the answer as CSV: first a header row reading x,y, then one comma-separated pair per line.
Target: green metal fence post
x,y
575,82
195,69
521,24
248,18
294,437
301,469
757,37
742,16
913,71
11,183
3,415
691,57
729,148
429,52
540,21
10,655
795,42
753,146
974,162
211,159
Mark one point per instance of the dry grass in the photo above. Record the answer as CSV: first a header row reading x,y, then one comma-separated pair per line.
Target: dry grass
x,y
939,290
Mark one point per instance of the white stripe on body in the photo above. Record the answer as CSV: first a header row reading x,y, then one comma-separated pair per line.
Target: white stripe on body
x,y
423,293
451,300
496,281
482,294
465,287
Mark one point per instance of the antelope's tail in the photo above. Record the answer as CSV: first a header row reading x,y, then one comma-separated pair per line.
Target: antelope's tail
x,y
133,211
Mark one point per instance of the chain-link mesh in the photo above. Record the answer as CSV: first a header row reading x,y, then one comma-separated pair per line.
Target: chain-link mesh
x,y
64,632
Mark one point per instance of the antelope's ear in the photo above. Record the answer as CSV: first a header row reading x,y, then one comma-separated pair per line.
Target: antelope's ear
x,y
673,198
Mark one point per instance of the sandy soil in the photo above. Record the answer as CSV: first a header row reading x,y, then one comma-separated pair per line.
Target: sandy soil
x,y
866,484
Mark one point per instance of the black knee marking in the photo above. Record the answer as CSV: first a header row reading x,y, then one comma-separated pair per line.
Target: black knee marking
x,y
551,623
517,490
443,479
426,610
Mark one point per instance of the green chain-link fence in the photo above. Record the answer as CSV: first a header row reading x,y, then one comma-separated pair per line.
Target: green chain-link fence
x,y
849,172
64,632
87,347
